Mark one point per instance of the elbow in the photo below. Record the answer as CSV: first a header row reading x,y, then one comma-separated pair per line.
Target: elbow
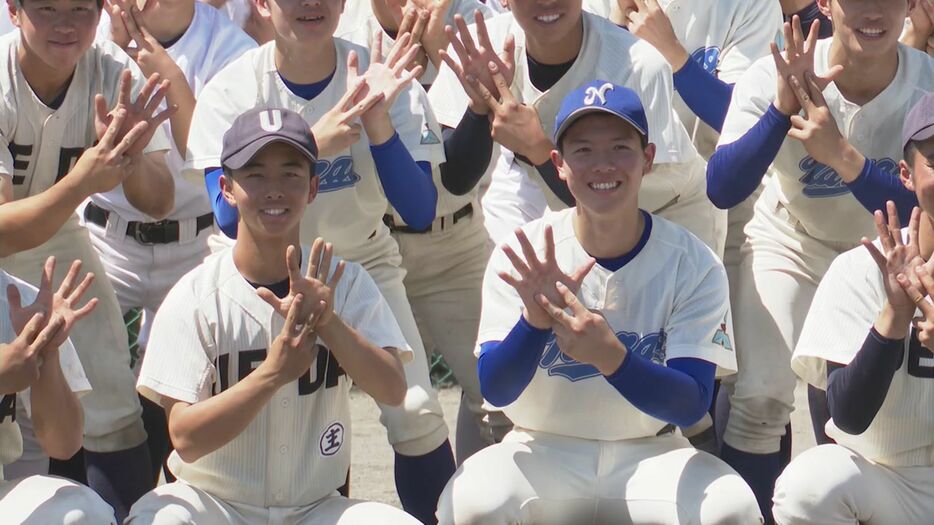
x,y
719,200
64,447
851,425
454,186
421,218
187,450
396,389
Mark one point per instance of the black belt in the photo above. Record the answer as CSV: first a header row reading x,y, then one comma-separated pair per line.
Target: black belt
x,y
446,221
162,232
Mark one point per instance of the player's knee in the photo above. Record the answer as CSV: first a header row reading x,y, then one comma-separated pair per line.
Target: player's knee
x,y
729,501
467,500
817,483
156,509
85,507
756,424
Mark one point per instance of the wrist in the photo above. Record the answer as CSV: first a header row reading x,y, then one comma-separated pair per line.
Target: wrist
x,y
676,57
849,163
613,359
540,153
267,378
894,322
378,130
534,322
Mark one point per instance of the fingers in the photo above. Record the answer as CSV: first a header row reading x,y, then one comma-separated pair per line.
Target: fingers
x,y
13,297
162,116
408,21
110,135
421,22
68,282
292,263
270,298
916,296
914,227
570,299
804,98
82,288
347,101
885,235
895,226
816,91
797,34
376,52
549,245
401,49
129,140
517,263
100,108
488,98
32,328
812,36
132,27
401,63
365,105
156,99
500,82
482,34
48,334
293,324
527,250
556,313
353,68
455,41
465,35
314,258
123,94
324,270
336,276
85,310
579,274
48,272
508,56
829,76
876,255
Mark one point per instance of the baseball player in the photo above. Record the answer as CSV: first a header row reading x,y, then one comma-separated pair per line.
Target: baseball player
x,y
444,263
40,369
807,11
602,336
253,352
807,213
188,42
60,145
552,50
919,27
879,384
374,136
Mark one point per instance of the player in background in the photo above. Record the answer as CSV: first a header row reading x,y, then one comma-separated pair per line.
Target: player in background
x,y
833,166
552,49
444,262
40,369
373,131
919,27
253,353
879,384
598,340
188,42
79,118
244,14
807,11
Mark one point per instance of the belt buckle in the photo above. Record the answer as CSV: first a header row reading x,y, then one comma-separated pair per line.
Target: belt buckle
x,y
144,231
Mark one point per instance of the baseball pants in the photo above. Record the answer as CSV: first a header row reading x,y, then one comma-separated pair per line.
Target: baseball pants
x,y
48,500
443,282
111,410
780,269
33,461
179,503
833,485
535,477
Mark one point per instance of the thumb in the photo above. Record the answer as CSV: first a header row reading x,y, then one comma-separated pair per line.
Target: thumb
x,y
270,298
13,296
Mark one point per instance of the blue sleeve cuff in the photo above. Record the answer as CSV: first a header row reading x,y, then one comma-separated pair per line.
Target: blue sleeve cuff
x,y
679,393
873,188
225,215
506,367
706,95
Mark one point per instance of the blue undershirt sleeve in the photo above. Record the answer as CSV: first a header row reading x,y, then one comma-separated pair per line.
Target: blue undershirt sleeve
x,y
736,169
225,214
855,392
679,393
706,95
407,184
506,367
468,149
874,187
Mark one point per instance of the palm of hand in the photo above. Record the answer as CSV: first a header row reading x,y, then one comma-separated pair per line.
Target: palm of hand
x,y
902,260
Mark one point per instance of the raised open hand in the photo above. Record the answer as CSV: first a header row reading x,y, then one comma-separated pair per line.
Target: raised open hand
x,y
143,109
338,129
472,64
387,76
797,60
294,350
538,277
818,129
896,257
650,23
107,164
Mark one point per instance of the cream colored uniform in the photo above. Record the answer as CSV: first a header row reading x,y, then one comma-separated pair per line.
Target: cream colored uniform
x,y
41,500
287,464
676,188
39,146
143,274
348,210
803,219
885,474
444,266
581,453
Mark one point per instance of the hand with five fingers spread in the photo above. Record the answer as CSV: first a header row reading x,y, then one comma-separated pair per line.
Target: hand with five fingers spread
x,y
294,350
472,64
22,359
538,277
797,60
106,165
920,26
414,21
650,23
582,334
141,110
338,129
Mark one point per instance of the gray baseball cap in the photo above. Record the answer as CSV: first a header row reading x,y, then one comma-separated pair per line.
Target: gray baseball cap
x,y
919,123
256,128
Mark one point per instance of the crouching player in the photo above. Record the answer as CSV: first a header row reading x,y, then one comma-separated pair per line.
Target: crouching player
x,y
859,343
251,350
601,338
40,369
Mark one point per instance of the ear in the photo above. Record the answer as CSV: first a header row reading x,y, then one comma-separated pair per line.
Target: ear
x,y
648,157
227,190
262,7
824,7
560,165
11,12
904,174
313,189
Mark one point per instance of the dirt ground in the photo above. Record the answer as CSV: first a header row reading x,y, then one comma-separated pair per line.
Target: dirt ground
x,y
371,476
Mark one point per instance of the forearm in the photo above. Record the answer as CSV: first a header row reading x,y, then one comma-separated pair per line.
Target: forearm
x,y
736,169
201,428
873,188
57,417
706,95
408,188
29,222
912,38
468,149
506,367
679,393
180,95
150,187
378,371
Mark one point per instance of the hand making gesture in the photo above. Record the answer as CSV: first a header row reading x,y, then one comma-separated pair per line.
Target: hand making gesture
x,y
472,64
919,293
797,60
897,258
127,27
141,110
106,165
294,350
338,129
538,277
650,23
818,130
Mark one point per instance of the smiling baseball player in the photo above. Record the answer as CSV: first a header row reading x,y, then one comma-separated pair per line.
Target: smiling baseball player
x,y
254,351
880,384
59,146
603,336
837,163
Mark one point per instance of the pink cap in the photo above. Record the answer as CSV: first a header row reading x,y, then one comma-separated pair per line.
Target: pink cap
x,y
919,123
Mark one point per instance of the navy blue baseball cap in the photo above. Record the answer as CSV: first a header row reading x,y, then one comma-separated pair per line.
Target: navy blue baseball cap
x,y
256,128
600,96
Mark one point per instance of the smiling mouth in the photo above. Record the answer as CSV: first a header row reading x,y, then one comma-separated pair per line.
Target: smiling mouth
x,y
318,18
871,32
275,212
548,19
603,186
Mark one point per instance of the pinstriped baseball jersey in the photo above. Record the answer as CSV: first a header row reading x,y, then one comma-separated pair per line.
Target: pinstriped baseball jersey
x,y
846,304
670,301
350,202
211,331
11,441
724,36
38,144
813,193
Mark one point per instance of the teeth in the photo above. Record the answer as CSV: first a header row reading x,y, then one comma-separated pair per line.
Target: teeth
x,y
274,211
872,32
604,185
548,18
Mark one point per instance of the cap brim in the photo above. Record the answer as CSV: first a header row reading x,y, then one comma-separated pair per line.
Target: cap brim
x,y
242,157
922,134
581,112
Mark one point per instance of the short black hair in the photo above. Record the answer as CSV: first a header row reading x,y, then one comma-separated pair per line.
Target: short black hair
x,y
643,140
911,148
19,4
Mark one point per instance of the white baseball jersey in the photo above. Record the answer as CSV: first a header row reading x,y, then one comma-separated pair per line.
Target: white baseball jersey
x,y
212,331
847,303
724,36
670,301
813,193
350,203
211,42
39,145
607,53
11,440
